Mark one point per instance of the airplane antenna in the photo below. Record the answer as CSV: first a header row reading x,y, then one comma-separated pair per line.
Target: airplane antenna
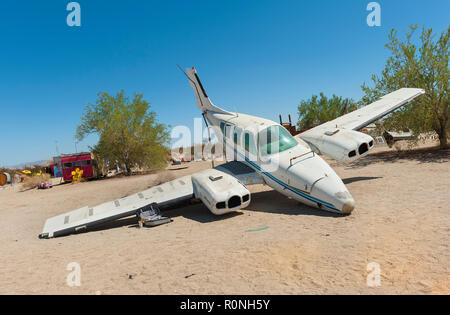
x,y
181,69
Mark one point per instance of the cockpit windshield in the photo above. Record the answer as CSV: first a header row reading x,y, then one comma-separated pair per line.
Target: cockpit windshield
x,y
275,139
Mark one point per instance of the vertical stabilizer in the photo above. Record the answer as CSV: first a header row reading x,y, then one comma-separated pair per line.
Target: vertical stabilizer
x,y
203,101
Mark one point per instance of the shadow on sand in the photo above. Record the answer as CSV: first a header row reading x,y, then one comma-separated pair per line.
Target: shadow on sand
x,y
425,155
357,179
274,202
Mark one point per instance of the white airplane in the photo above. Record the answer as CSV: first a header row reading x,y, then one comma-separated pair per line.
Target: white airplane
x,y
263,152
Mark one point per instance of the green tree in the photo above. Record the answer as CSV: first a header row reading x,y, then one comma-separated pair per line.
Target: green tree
x,y
128,131
320,109
420,65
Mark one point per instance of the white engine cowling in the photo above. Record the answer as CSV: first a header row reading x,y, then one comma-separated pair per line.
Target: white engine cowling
x,y
220,192
340,144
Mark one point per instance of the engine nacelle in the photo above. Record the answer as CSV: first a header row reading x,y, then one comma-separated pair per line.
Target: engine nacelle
x,y
343,145
220,192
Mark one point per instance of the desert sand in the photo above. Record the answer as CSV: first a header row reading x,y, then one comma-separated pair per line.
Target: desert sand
x,y
401,222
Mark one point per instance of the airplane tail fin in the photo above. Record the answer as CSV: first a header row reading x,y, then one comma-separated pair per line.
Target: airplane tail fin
x,y
203,101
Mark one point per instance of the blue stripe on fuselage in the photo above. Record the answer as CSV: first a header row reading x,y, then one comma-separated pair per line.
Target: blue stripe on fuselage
x,y
298,192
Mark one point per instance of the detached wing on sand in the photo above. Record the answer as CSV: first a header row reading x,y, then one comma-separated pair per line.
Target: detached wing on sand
x,y
164,195
223,185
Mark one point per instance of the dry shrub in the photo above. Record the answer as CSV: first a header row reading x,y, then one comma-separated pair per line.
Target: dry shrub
x,y
34,181
398,146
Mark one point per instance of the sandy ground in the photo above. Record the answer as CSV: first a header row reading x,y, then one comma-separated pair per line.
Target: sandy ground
x,y
402,223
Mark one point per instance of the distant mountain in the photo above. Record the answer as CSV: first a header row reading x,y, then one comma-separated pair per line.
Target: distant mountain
x,y
27,164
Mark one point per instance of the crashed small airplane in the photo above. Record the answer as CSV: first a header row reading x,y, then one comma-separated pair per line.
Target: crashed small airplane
x,y
264,152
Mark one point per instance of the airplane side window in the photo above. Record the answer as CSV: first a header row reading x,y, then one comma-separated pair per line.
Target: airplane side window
x,y
227,131
249,143
237,136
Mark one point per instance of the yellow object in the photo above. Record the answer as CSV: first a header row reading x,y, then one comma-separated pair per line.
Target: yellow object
x,y
26,172
77,174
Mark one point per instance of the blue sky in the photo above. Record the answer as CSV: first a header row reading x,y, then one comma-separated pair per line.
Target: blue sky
x,y
260,57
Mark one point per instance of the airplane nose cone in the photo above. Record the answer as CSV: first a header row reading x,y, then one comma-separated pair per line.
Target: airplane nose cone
x,y
348,206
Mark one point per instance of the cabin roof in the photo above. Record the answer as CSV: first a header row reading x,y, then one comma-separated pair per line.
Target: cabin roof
x,y
244,120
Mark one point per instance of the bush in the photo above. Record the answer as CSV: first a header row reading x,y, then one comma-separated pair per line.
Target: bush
x,y
31,182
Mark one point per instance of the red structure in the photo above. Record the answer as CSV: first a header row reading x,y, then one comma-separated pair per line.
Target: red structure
x,y
292,129
67,163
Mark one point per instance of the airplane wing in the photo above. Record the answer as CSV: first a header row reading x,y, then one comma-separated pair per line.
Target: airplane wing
x,y
245,174
340,138
167,194
366,115
226,181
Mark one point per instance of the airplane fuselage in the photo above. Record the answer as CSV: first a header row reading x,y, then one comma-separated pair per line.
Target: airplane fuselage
x,y
287,164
